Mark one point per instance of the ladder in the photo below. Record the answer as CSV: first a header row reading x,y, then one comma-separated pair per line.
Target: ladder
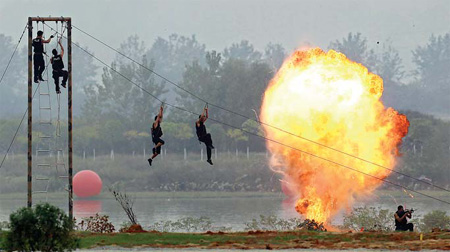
x,y
44,147
49,142
59,157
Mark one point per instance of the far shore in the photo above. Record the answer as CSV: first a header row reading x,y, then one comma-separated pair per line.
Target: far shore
x,y
214,194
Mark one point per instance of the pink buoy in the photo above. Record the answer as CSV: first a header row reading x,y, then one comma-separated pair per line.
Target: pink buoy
x,y
87,183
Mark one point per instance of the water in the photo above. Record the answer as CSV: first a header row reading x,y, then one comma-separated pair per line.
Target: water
x,y
230,210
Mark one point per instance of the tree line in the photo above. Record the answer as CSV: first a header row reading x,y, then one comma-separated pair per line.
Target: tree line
x,y
112,114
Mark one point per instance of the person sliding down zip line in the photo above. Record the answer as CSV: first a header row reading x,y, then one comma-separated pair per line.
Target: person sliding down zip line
x,y
58,68
202,135
156,135
38,57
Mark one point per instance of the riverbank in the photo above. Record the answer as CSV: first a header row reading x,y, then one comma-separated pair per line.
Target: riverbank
x,y
269,240
264,240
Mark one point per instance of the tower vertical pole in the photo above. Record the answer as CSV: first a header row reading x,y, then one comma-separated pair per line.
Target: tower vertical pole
x,y
69,51
30,114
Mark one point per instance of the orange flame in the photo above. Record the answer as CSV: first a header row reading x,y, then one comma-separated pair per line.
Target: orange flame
x,y
327,98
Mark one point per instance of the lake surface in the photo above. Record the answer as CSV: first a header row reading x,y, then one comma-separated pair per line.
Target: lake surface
x,y
230,210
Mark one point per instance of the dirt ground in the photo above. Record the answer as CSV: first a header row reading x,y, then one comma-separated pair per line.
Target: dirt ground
x,y
267,240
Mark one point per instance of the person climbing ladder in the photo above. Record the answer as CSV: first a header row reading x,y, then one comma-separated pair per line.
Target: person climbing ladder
x,y
38,57
58,68
156,135
202,135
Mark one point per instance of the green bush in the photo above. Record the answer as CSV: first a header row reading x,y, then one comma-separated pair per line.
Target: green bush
x,y
97,224
272,223
369,218
44,228
435,219
187,224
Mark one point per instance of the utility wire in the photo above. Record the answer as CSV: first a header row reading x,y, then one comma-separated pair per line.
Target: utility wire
x,y
268,139
17,130
14,52
258,121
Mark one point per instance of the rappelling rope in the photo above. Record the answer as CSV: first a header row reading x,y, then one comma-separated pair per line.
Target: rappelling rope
x,y
58,97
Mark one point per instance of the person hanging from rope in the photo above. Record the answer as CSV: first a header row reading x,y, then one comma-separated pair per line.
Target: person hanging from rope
x,y
156,135
58,67
202,135
38,57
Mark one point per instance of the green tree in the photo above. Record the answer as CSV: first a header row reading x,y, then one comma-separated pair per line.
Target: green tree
x,y
179,134
203,82
12,95
426,148
354,46
389,65
84,74
433,61
243,51
171,55
435,219
237,136
116,97
369,218
234,84
274,55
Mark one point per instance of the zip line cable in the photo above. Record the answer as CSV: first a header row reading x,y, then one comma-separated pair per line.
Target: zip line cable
x,y
254,134
17,130
14,52
258,121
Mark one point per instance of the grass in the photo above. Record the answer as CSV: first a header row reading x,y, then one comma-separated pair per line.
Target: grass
x,y
267,239
297,239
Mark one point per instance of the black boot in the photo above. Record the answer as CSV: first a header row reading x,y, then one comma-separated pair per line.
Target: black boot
x,y
209,161
150,161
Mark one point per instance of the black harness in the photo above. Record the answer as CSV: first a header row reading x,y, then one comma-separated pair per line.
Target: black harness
x,y
57,63
38,45
157,131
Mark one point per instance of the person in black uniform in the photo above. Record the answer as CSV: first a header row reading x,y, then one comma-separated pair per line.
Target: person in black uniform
x,y
38,57
202,135
401,224
58,68
156,135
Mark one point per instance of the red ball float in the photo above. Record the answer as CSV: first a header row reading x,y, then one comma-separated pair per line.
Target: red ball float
x,y
87,183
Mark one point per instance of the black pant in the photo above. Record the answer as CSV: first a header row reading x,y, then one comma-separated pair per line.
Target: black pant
x,y
39,65
156,141
208,142
405,227
57,74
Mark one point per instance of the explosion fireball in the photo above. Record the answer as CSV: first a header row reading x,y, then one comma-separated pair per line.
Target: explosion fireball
x,y
327,98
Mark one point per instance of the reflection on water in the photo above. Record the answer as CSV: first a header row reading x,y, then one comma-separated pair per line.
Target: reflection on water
x,y
86,208
231,211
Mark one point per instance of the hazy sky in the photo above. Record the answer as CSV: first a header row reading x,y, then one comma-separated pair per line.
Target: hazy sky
x,y
407,23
